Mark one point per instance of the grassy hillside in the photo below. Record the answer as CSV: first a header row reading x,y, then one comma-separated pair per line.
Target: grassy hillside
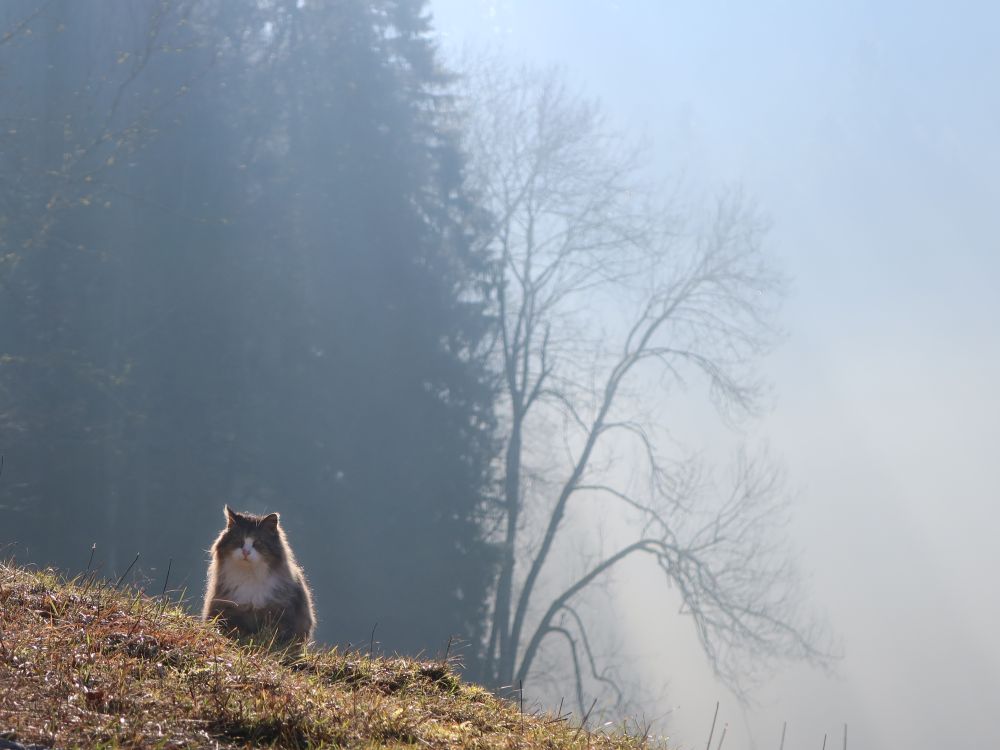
x,y
84,665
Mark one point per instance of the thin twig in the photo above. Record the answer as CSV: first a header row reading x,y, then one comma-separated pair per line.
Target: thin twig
x,y
584,722
646,731
708,745
722,737
163,592
520,696
90,578
127,570
559,714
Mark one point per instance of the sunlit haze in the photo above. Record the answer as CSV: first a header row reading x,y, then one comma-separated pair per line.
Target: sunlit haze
x,y
868,134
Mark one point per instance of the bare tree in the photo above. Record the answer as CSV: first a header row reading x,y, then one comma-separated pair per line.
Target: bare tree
x,y
606,301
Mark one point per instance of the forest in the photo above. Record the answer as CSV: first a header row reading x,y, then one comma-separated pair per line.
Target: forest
x,y
280,255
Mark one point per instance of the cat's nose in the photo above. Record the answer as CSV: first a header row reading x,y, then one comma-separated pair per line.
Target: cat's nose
x,y
246,553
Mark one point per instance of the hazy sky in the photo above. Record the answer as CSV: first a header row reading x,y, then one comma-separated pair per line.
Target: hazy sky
x,y
870,134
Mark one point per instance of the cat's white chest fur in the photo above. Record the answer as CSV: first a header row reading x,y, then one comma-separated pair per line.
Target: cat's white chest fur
x,y
255,585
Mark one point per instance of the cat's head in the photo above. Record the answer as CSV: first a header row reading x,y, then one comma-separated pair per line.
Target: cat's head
x,y
250,540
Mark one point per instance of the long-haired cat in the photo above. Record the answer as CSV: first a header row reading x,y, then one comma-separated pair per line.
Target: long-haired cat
x,y
254,583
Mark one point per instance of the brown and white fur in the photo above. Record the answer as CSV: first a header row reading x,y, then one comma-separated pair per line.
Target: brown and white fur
x,y
254,584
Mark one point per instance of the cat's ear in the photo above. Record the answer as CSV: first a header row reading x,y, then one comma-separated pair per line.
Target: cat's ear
x,y
269,522
230,516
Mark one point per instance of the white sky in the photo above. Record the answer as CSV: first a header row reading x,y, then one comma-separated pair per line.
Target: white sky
x,y
870,134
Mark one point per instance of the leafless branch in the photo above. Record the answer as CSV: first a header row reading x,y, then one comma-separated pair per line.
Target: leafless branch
x,y
581,245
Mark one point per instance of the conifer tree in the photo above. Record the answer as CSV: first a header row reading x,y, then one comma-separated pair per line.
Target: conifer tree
x,y
237,267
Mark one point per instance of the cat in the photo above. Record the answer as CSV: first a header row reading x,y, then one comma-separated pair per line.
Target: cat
x,y
255,585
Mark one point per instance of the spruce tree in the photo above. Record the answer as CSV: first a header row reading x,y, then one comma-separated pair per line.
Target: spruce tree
x,y
256,287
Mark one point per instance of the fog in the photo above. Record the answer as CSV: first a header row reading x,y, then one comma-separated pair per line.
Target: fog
x,y
867,133
286,256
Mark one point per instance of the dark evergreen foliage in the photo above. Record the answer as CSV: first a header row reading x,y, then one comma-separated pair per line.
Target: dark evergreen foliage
x,y
236,266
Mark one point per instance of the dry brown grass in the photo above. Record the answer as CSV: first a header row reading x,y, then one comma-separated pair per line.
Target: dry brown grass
x,y
84,665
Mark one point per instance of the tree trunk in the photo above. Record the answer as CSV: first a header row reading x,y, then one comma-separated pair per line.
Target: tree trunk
x,y
500,663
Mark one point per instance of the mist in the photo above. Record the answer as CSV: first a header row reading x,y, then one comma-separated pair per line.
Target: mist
x,y
635,356
865,136
221,288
